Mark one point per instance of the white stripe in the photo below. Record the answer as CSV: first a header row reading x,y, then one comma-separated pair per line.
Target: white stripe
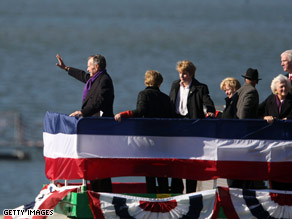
x,y
60,145
239,204
110,146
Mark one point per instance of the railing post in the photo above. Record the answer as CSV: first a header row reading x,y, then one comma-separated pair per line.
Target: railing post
x,y
83,187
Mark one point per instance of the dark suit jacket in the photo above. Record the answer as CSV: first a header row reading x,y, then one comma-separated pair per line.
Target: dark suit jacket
x,y
262,106
230,109
271,108
197,98
152,103
100,96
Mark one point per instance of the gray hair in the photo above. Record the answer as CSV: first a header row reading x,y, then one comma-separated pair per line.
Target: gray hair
x,y
99,60
280,79
288,53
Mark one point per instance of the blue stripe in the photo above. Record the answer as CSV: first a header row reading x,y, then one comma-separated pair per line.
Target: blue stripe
x,y
55,123
208,128
254,205
121,207
196,206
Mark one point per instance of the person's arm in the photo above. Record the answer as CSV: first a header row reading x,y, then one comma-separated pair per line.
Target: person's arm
x,y
76,73
125,114
269,119
76,114
208,102
261,108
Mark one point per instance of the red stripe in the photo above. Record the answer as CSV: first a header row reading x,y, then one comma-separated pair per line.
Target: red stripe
x,y
226,203
282,199
216,207
52,201
92,168
94,202
161,207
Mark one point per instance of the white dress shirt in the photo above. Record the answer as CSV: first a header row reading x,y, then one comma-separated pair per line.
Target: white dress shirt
x,y
182,99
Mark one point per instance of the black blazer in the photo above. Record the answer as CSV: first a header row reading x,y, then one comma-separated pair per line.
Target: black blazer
x,y
261,109
100,96
197,98
271,108
230,109
152,103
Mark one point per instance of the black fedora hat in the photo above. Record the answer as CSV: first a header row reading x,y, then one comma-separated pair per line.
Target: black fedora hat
x,y
252,74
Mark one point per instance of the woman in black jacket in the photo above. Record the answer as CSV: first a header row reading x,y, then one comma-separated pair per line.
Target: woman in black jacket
x,y
279,106
230,86
151,103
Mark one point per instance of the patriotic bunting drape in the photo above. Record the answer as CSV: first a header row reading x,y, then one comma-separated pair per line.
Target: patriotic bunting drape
x,y
195,205
236,203
47,199
204,149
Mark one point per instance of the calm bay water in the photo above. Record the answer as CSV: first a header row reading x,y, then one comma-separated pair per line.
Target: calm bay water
x,y
222,38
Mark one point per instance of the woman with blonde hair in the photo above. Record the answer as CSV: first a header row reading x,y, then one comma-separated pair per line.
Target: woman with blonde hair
x,y
151,103
230,85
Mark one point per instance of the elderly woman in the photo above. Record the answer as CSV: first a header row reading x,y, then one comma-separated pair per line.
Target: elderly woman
x,y
230,86
279,104
151,103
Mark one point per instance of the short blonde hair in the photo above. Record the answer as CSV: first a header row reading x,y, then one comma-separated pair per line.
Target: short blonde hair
x,y
153,78
231,82
280,79
186,66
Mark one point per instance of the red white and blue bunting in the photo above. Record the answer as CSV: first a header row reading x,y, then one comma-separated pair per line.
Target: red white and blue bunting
x,y
47,199
236,203
194,205
243,203
201,149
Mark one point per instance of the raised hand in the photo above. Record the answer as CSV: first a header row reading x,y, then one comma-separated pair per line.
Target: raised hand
x,y
61,64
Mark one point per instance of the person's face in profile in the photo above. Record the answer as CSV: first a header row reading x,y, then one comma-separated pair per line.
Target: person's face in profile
x,y
92,68
286,64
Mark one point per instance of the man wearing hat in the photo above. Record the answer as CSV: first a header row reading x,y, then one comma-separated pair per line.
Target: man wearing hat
x,y
247,105
248,97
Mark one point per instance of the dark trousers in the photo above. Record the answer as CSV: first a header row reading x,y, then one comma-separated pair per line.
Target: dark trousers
x,y
281,186
162,184
101,185
177,185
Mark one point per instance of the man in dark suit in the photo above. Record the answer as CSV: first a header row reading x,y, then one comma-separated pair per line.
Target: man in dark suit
x,y
98,94
97,99
189,97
